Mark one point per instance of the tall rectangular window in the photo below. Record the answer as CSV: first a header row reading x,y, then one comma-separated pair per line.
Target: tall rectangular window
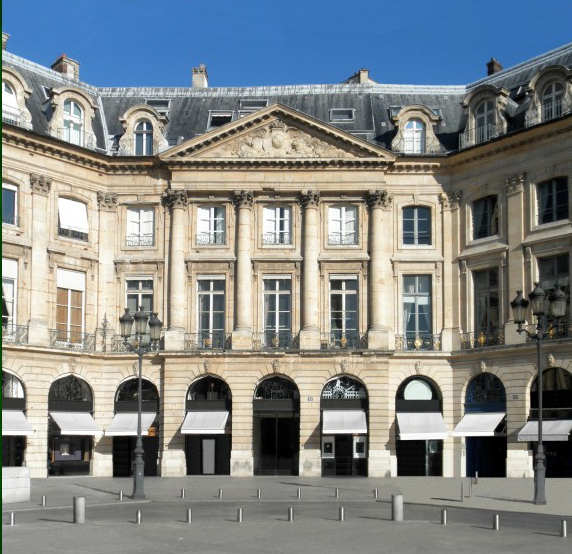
x,y
417,316
344,309
277,221
140,226
553,200
211,300
9,204
416,225
553,271
139,294
211,228
342,225
9,293
72,217
486,294
277,311
485,217
70,306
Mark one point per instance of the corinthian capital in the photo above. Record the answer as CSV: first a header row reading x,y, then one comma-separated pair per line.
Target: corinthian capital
x,y
244,199
450,200
175,199
40,184
310,199
379,199
106,201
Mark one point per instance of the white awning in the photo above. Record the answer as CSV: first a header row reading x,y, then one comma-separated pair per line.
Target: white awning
x,y
342,422
421,426
15,424
124,424
552,430
478,424
204,423
76,423
73,215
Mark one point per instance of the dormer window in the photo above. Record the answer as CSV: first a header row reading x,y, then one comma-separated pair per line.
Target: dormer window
x,y
218,119
73,122
552,99
143,139
342,114
414,137
10,110
484,121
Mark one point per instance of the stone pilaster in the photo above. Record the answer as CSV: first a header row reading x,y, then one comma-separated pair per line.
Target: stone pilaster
x,y
310,331
176,201
310,457
242,334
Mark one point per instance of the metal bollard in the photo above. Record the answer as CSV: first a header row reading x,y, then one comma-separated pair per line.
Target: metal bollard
x,y
496,522
258,494
182,493
189,515
462,492
220,493
138,517
470,488
375,494
563,530
12,519
476,477
443,517
79,509
43,500
299,494
342,514
397,507
337,493
121,496
290,514
239,515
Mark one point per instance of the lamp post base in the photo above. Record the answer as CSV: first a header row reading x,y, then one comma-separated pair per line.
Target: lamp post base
x,y
540,476
139,467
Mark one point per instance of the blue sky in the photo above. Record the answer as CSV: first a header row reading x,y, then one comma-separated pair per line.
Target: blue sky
x,y
278,42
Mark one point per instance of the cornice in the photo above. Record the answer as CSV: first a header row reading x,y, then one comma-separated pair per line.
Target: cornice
x,y
280,163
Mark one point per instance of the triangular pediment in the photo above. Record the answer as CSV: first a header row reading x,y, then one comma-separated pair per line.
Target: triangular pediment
x,y
276,133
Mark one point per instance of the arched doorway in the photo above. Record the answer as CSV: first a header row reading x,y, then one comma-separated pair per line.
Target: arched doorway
x,y
276,427
556,421
344,408
420,428
123,428
15,427
71,427
484,427
207,427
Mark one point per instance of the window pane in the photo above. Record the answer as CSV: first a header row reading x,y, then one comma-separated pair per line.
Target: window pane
x,y
204,302
147,302
8,206
336,303
284,302
284,320
218,302
271,302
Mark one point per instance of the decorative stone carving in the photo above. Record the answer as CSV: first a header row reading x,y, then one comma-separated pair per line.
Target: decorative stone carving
x,y
244,199
310,199
173,199
106,201
344,366
379,199
418,367
71,365
463,268
135,368
40,184
515,183
450,200
276,365
483,365
550,360
207,366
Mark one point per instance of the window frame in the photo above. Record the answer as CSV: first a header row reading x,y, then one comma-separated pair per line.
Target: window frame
x,y
69,331
219,113
480,294
417,137
554,259
210,293
344,292
492,214
145,136
211,220
282,236
276,292
15,190
553,183
140,235
416,236
73,233
485,120
334,119
553,100
139,292
72,119
417,295
12,267
342,241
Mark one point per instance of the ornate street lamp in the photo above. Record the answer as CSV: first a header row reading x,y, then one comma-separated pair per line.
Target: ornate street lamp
x,y
546,308
155,325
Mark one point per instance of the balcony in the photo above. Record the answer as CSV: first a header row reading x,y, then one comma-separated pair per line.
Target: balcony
x,y
79,138
418,343
272,340
276,239
72,340
10,219
470,137
485,337
137,240
14,334
127,148
560,330
340,340
11,115
205,341
343,239
211,239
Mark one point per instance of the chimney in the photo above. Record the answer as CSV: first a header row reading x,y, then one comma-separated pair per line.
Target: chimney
x,y
67,66
493,67
363,76
5,37
200,77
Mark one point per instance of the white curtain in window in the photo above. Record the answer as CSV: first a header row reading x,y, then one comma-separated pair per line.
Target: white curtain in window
x,y
335,220
140,222
270,220
9,268
73,215
204,225
73,280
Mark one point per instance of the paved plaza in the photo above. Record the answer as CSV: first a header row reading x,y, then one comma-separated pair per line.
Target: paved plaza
x,y
110,524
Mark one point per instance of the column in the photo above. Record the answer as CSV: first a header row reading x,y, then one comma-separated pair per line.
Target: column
x,y
38,333
310,331
242,334
176,201
380,272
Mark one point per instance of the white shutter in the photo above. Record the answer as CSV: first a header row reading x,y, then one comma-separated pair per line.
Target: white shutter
x,y
334,220
269,220
74,280
133,222
147,222
9,268
203,220
73,215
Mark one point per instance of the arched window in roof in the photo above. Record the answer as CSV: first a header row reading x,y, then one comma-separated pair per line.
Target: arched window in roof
x,y
73,122
143,139
552,97
485,121
414,136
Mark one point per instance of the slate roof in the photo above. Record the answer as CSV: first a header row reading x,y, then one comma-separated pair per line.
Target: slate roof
x,y
189,108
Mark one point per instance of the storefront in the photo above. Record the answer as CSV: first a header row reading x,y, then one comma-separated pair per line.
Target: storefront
x,y
207,427
484,427
71,427
344,408
420,428
123,428
15,427
276,427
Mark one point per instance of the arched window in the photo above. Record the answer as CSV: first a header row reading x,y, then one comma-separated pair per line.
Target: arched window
x,y
11,386
70,388
414,136
552,97
343,388
73,122
276,388
209,388
418,394
129,391
556,394
484,121
143,139
10,111
416,225
485,393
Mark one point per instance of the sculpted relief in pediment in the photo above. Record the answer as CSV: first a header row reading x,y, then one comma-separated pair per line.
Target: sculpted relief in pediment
x,y
276,140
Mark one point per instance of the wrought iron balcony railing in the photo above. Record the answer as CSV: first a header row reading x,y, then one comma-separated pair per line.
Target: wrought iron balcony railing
x,y
342,239
12,115
127,147
484,337
484,133
272,340
419,342
140,240
211,239
348,340
72,340
79,138
10,219
548,111
15,334
276,239
409,146
204,340
560,330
